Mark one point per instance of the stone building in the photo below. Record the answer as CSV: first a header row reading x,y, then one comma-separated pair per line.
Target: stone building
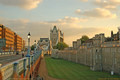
x,y
88,43
45,43
115,37
98,39
76,44
56,36
95,53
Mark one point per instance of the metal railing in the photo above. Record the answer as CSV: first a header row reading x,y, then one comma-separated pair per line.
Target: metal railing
x,y
8,70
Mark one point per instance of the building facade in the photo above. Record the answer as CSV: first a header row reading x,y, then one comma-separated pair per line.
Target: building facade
x,y
76,44
115,37
18,43
45,44
44,41
13,42
56,36
23,45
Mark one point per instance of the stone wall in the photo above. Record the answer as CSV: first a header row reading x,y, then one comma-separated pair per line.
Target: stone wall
x,y
97,58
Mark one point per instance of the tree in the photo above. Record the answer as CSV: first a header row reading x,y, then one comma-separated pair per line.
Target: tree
x,y
32,47
84,38
61,46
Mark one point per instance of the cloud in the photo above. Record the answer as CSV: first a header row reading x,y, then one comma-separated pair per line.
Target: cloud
x,y
72,30
68,19
75,34
97,13
108,4
84,0
25,4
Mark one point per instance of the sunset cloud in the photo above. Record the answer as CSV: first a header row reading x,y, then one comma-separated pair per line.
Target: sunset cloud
x,y
68,19
25,4
41,29
97,13
108,4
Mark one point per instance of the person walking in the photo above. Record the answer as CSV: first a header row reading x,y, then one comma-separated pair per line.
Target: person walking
x,y
22,55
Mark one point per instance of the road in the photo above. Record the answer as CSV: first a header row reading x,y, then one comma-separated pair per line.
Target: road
x,y
10,58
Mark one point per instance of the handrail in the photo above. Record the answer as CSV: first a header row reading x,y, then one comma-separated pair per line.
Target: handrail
x,y
8,69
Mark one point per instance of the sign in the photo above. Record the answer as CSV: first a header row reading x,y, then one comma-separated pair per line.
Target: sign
x,y
2,43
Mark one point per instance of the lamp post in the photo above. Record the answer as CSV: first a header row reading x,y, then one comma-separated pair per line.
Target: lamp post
x,y
28,53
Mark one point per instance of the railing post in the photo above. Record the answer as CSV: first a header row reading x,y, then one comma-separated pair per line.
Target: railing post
x,y
29,63
24,66
15,73
32,60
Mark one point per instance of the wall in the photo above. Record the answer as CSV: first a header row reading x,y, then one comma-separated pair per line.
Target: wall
x,y
97,58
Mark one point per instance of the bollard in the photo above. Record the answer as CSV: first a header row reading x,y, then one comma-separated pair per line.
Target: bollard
x,y
15,74
24,66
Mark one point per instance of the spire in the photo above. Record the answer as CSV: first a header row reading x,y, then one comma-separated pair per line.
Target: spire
x,y
55,28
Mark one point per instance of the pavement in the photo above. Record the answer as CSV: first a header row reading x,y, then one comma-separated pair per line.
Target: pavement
x,y
5,59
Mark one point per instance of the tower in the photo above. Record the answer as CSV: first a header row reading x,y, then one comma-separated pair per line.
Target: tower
x,y
56,36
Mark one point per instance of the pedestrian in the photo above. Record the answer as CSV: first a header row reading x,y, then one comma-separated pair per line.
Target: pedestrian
x,y
22,55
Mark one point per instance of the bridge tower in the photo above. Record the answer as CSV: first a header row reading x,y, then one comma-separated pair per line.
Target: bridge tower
x,y
56,36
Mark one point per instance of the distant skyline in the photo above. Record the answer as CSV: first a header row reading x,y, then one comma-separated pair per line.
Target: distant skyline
x,y
74,17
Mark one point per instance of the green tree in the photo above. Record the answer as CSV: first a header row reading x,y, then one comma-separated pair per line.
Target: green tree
x,y
84,38
32,47
61,46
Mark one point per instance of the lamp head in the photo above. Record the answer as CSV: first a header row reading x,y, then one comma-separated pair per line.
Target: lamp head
x,y
29,35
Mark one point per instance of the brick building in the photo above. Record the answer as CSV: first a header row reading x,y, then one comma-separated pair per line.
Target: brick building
x,y
18,43
13,42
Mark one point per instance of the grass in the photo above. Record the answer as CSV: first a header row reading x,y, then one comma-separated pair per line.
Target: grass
x,y
61,69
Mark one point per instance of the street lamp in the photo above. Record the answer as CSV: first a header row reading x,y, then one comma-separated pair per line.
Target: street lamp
x,y
28,53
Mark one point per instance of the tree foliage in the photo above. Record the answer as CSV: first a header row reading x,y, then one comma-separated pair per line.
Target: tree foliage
x,y
32,47
61,46
84,38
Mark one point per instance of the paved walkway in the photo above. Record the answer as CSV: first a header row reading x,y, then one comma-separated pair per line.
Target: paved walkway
x,y
43,71
5,59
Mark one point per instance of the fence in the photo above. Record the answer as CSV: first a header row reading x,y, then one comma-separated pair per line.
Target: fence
x,y
19,66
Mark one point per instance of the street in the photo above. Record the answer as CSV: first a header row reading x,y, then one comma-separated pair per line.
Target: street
x,y
10,58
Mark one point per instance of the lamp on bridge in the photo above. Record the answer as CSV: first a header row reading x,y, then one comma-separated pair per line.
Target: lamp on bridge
x,y
28,53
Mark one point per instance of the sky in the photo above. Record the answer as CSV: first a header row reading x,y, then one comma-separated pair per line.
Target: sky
x,y
74,17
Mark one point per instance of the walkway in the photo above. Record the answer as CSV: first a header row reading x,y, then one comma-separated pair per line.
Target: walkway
x,y
5,59
43,71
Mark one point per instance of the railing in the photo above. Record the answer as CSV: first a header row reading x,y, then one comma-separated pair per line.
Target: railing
x,y
8,53
8,70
